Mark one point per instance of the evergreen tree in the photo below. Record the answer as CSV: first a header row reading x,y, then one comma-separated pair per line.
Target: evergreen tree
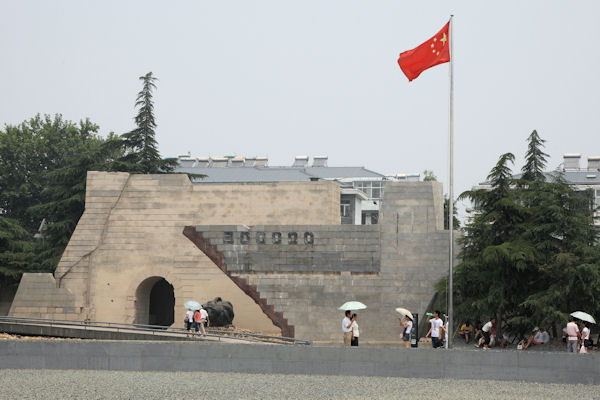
x,y
530,255
535,159
493,253
567,254
16,252
64,193
42,176
455,221
139,145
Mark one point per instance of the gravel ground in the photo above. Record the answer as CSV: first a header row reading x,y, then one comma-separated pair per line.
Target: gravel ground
x,y
53,384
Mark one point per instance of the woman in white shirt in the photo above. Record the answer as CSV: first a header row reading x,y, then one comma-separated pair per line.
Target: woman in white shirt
x,y
407,324
355,332
585,338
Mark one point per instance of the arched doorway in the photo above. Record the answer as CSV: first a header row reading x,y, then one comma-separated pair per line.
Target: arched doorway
x,y
155,302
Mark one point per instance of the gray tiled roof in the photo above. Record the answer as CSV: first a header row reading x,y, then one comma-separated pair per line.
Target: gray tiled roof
x,y
278,174
581,177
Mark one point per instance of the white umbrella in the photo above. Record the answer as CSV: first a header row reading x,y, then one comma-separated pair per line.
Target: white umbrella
x,y
583,316
192,305
404,311
352,305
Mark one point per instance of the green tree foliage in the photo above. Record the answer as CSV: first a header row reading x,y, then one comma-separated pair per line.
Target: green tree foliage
x,y
429,176
535,159
64,194
44,162
530,255
140,147
16,251
455,221
43,168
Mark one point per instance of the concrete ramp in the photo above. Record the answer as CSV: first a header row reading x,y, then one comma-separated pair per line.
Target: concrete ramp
x,y
117,331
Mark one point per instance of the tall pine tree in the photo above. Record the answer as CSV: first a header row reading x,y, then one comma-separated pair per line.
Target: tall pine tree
x,y
535,158
139,145
530,256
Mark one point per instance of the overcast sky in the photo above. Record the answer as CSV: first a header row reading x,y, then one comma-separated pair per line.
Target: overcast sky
x,y
285,78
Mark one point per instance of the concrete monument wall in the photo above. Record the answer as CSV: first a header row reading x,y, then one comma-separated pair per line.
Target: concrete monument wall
x,y
277,251
385,266
131,232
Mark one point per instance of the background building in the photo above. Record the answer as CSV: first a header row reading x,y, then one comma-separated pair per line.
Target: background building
x,y
580,178
361,190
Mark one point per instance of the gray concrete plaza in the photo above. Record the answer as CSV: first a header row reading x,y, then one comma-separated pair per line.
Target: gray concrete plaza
x,y
70,384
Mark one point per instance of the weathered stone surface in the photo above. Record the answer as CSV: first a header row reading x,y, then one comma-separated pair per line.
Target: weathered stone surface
x,y
131,231
137,229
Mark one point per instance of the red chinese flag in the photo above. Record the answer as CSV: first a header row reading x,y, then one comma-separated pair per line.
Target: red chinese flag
x,y
431,53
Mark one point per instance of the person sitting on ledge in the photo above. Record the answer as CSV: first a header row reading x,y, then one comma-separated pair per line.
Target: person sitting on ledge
x,y
466,331
478,332
487,331
540,337
503,339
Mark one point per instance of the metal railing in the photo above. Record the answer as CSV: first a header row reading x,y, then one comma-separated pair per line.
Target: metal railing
x,y
155,330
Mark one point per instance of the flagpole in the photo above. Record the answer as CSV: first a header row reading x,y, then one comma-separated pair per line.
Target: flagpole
x,y
451,192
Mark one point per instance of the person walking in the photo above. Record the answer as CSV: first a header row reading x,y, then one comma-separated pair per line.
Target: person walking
x,y
346,328
189,319
585,338
572,336
435,330
204,320
407,323
355,332
197,321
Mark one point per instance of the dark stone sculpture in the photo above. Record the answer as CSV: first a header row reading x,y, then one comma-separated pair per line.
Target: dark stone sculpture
x,y
220,312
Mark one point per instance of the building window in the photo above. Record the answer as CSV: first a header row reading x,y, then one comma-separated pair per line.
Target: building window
x,y
244,237
293,238
377,190
228,237
370,218
260,237
276,237
373,189
345,209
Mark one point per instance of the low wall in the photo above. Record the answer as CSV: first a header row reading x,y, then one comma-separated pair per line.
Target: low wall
x,y
317,360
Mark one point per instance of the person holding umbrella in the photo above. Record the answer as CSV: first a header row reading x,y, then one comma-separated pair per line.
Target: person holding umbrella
x,y
191,305
573,333
347,327
355,331
189,319
348,320
585,337
407,323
